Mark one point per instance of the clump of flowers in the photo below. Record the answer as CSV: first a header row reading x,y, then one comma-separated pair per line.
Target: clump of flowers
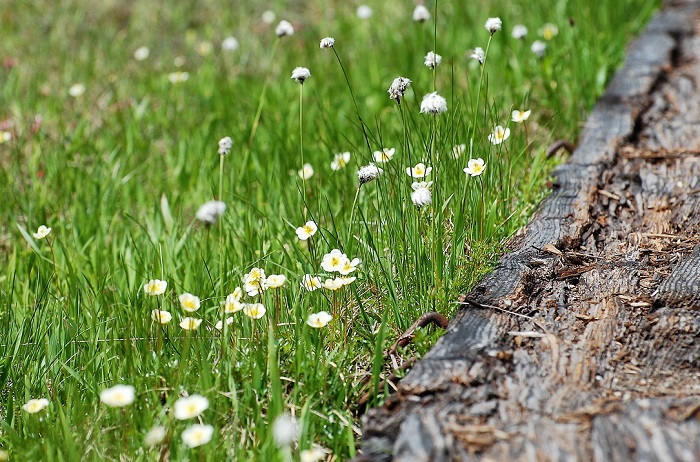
x,y
368,173
421,195
301,74
475,167
284,28
432,59
155,287
398,88
340,160
210,212
433,104
42,232
319,320
118,395
499,135
493,25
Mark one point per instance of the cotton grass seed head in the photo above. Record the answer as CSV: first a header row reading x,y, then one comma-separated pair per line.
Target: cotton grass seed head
x,y
327,42
268,16
42,232
230,44
254,310
301,74
161,316
475,167
155,436
368,173
519,32
225,145
520,116
319,320
197,435
432,59
364,12
433,104
421,195
398,88
307,230
493,25
499,135
479,55
284,28
155,287
35,405
189,407
539,48
285,430
340,160
210,212
141,53
421,14
118,395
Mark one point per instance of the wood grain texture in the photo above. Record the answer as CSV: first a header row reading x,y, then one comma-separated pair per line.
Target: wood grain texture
x,y
591,352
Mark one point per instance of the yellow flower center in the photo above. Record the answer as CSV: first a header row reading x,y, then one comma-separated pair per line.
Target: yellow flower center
x,y
308,229
189,303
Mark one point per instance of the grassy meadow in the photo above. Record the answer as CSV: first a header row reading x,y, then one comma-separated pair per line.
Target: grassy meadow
x,y
113,115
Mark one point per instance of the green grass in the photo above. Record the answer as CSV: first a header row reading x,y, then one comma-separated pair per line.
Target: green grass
x,y
119,172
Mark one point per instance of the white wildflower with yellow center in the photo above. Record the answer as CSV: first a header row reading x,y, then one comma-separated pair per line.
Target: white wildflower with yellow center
x,y
35,405
189,323
204,48
549,31
349,266
189,302
385,155
499,135
274,281
310,282
42,232
197,435
161,316
233,304
312,455
333,284
306,172
520,116
141,53
458,150
155,287
307,230
340,160
118,395
333,261
220,324
347,280
178,77
76,90
319,320
5,136
254,310
475,167
190,406
155,436
419,171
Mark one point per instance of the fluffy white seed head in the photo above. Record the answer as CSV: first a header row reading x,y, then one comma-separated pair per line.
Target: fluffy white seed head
x,y
300,74
327,42
210,212
519,32
433,104
368,173
479,55
421,14
493,25
398,88
284,28
432,59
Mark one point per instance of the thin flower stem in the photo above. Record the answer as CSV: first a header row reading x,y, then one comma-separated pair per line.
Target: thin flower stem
x,y
301,144
481,81
435,45
354,101
261,102
352,214
221,222
483,208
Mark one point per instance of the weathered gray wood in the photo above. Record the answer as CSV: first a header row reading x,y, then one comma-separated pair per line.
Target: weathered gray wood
x,y
594,352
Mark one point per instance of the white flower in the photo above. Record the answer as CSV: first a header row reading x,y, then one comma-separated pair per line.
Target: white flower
x,y
333,261
161,316
548,31
197,435
155,435
155,287
284,28
254,288
327,42
230,44
268,16
274,281
233,302
42,232
141,53
433,104
225,145
364,12
190,406
539,48
285,430
300,74
421,194
479,55
499,135
419,171
398,88
519,32
520,116
475,167
189,323
307,230
493,25
118,395
319,320
5,137
204,48
349,266
421,14
210,212
189,302
432,60
178,77
254,310
347,280
385,155
333,284
312,455
458,150
220,324
35,405
179,61
310,282
76,90
306,172
254,275
368,173
340,160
